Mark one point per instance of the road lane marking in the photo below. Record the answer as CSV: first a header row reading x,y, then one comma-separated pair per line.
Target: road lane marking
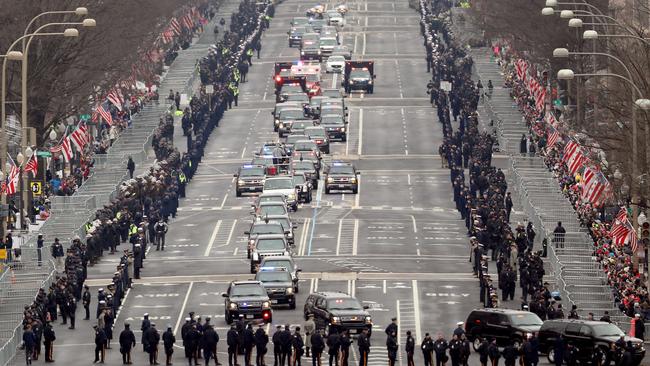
x,y
319,196
126,296
264,97
338,238
350,287
315,284
243,152
213,237
399,324
355,237
334,80
180,315
353,288
232,230
360,131
363,49
416,309
384,290
223,203
418,252
415,226
303,237
354,49
235,252
311,285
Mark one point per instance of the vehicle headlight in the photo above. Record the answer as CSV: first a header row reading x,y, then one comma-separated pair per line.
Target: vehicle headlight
x,y
277,121
251,242
289,290
266,305
368,320
281,125
302,52
351,81
353,180
240,182
369,81
336,320
342,129
319,52
330,179
233,306
290,235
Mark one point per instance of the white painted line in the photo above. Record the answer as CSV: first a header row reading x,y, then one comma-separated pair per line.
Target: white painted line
x,y
264,96
126,295
418,252
243,152
363,49
350,287
180,316
357,196
384,290
223,203
334,80
355,237
303,237
213,237
354,49
360,131
338,238
416,309
415,226
311,285
315,284
408,176
232,230
366,7
353,288
151,306
235,252
406,152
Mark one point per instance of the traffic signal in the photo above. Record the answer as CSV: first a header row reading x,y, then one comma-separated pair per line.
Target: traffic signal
x,y
645,234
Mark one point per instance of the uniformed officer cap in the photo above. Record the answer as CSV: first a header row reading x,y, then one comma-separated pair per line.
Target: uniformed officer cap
x,y
169,326
207,319
278,326
460,323
95,326
100,289
146,314
102,302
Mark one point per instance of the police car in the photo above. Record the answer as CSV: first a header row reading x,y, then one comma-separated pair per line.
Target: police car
x,y
262,228
341,176
250,178
278,284
268,245
247,298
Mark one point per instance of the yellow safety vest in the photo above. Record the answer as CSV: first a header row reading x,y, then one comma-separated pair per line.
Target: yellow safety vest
x,y
182,178
249,52
118,215
133,230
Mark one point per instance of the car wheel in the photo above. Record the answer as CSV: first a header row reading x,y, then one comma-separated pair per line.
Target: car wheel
x,y
477,343
248,254
355,190
238,193
327,151
292,306
228,318
551,356
252,268
327,191
344,138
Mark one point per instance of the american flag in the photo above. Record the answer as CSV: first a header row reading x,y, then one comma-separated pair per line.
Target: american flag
x,y
521,67
66,149
598,189
569,149
115,97
540,98
32,165
167,36
588,177
551,120
634,240
553,138
187,21
175,26
105,112
80,137
11,184
576,162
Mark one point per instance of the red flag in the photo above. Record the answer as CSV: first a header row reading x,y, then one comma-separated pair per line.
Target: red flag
x,y
106,114
32,165
175,26
569,150
66,149
553,138
115,97
634,240
80,137
11,185
575,162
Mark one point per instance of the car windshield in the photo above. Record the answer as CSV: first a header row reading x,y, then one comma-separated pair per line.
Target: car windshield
x,y
291,114
331,120
606,330
282,221
315,132
303,165
525,319
272,210
271,198
363,74
279,263
332,93
297,98
336,59
270,244
341,169
333,109
305,146
299,179
267,229
262,161
344,304
267,150
251,172
328,42
291,139
284,183
275,276
299,21
291,88
301,125
247,290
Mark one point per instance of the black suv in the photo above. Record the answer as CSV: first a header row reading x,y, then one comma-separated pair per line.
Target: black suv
x,y
337,311
247,298
341,176
250,178
586,336
278,284
504,325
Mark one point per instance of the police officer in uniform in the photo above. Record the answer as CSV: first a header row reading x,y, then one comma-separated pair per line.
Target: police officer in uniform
x,y
160,229
85,298
49,337
233,346
249,343
317,347
364,347
127,342
143,327
298,347
261,340
168,342
410,348
277,346
345,348
333,345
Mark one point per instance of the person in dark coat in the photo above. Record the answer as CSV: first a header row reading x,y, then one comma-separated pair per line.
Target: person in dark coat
x,y
410,348
277,347
285,341
233,345
639,327
153,339
48,340
191,342
333,346
493,353
454,350
29,341
210,340
531,351
130,166
317,347
571,355
483,352
261,340
249,343
440,349
100,344
168,342
85,298
363,342
510,354
391,348
143,327
523,145
558,350
298,347
345,348
127,342
427,350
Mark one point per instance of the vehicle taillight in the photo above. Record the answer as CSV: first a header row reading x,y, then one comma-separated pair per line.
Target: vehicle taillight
x,y
278,78
266,315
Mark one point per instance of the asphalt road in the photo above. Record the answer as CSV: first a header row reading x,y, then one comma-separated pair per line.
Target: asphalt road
x,y
399,245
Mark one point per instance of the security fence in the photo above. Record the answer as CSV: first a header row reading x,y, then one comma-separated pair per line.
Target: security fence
x,y
578,275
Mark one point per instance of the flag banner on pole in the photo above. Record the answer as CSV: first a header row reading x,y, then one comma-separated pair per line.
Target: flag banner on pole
x,y
32,165
66,149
